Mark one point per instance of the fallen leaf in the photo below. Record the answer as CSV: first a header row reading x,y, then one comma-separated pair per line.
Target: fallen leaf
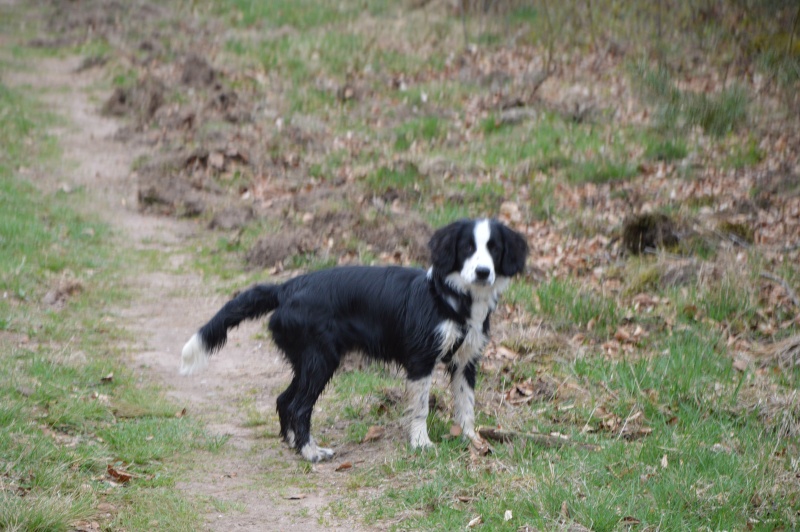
x,y
455,430
622,335
181,413
664,462
373,433
629,520
509,211
475,521
118,475
344,466
216,159
106,507
296,497
508,516
504,352
86,526
478,447
108,378
564,510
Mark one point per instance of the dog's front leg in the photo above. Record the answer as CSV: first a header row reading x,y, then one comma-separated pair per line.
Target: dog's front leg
x,y
462,385
418,392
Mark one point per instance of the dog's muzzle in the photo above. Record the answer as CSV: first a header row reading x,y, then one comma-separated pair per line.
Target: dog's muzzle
x,y
482,275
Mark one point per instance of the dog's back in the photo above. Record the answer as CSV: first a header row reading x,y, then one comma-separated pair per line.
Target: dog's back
x,y
381,311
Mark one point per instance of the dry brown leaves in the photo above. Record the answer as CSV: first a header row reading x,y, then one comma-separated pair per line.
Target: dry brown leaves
x,y
785,353
119,474
529,390
344,466
632,427
374,433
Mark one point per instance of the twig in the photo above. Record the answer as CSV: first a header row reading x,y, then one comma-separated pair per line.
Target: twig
x,y
792,294
544,440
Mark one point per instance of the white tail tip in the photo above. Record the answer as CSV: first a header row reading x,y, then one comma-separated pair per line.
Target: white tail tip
x,y
194,356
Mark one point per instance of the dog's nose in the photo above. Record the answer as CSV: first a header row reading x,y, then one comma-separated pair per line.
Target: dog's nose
x,y
482,273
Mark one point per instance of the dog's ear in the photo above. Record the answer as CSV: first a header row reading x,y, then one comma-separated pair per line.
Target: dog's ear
x,y
443,247
515,251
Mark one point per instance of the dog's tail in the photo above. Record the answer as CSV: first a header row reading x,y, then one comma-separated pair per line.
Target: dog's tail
x,y
249,305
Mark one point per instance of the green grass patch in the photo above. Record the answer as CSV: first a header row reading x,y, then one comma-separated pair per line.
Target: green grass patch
x,y
404,178
718,114
570,306
745,155
61,423
601,170
693,459
665,148
574,153
303,15
425,129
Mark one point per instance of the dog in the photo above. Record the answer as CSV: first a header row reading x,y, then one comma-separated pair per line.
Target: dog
x,y
412,317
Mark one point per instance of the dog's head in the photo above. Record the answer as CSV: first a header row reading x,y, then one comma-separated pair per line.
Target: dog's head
x,y
470,253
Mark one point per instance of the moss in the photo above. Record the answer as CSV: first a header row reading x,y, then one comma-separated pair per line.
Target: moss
x,y
741,232
645,280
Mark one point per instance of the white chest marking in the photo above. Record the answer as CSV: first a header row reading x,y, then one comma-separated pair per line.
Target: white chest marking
x,y
450,333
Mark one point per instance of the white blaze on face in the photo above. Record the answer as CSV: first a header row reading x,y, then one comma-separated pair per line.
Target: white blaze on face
x,y
481,258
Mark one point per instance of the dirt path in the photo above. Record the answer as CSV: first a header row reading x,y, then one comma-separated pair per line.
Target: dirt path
x,y
166,308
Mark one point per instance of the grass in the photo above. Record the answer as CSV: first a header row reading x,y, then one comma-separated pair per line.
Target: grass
x,y
717,114
667,148
686,472
403,179
61,424
427,129
567,305
676,448
679,447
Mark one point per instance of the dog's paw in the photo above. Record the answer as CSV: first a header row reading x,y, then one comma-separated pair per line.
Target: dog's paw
x,y
421,441
315,454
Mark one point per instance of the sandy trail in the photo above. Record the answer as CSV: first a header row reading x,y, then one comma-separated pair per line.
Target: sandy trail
x,y
166,307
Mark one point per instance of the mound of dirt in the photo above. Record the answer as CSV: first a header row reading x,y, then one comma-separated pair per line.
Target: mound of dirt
x,y
169,185
649,231
271,250
61,291
232,218
140,101
407,235
197,72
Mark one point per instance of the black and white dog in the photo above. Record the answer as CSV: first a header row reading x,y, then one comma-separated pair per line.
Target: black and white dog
x,y
392,314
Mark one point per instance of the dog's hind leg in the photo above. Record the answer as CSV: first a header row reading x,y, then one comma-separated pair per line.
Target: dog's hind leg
x,y
314,370
284,400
